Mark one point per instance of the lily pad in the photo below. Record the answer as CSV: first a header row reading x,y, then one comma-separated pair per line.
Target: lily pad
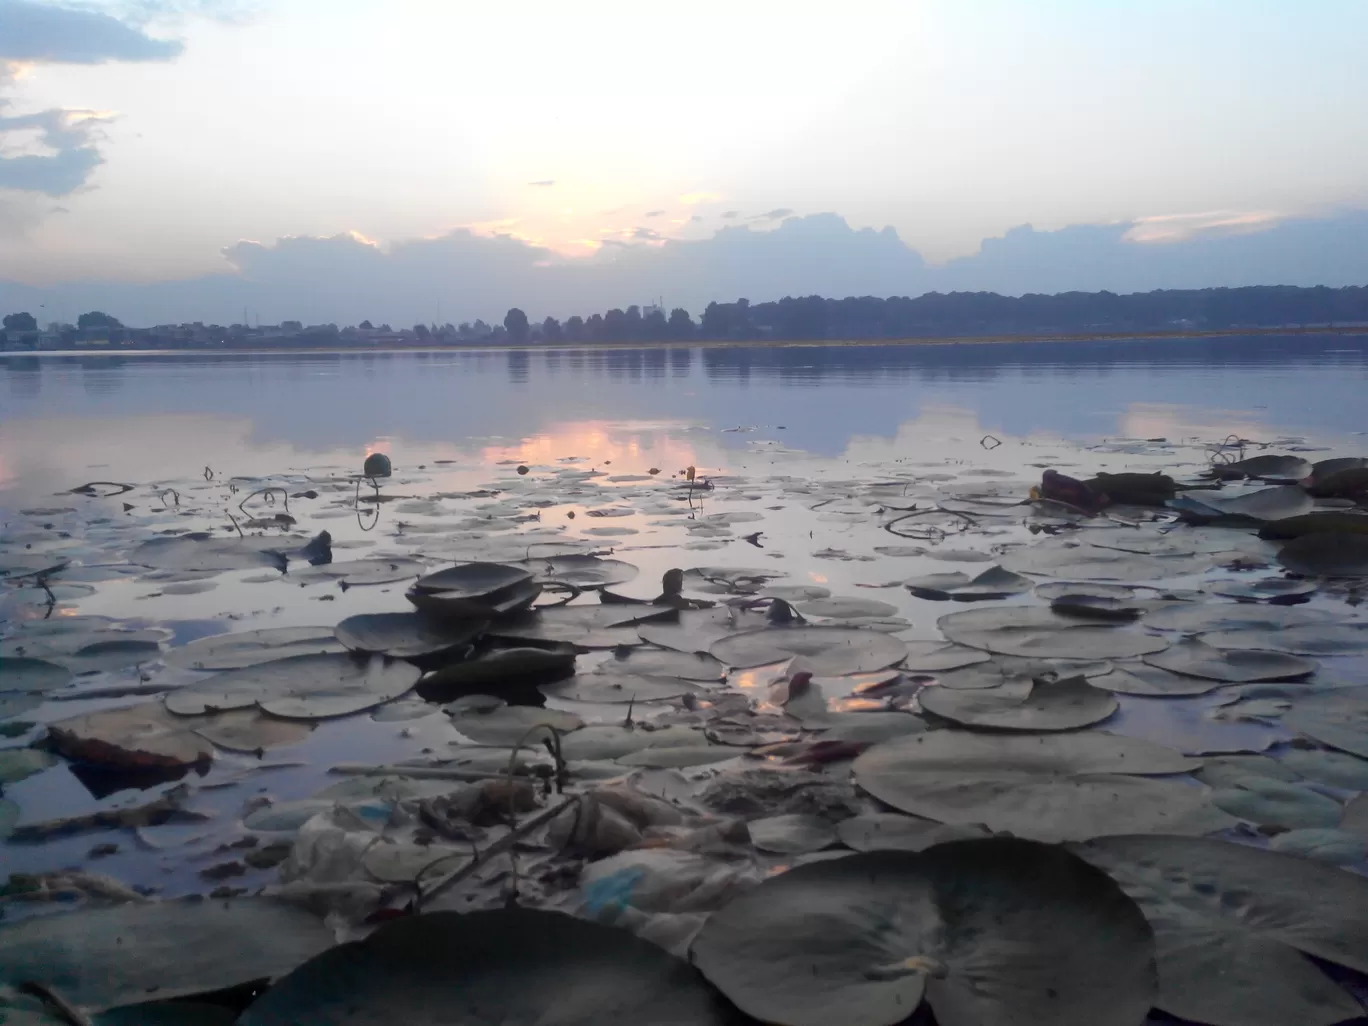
x,y
729,580
19,675
1276,803
407,635
1039,633
1225,770
500,669
845,607
247,648
1265,468
1274,589
987,930
246,730
1072,560
88,650
182,947
584,626
1277,503
1197,618
1053,787
1238,666
139,737
509,725
792,834
1143,679
890,831
664,663
1327,555
993,583
1323,639
825,651
584,572
1338,718
697,630
1040,705
299,687
1052,590
617,688
360,573
938,656
474,580
610,741
1229,921
16,764
1334,769
512,965
9,815
1337,847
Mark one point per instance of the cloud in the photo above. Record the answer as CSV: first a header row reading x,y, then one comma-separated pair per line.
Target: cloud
x,y
67,35
777,214
729,214
655,213
696,217
68,139
465,274
544,183
692,199
647,235
1177,227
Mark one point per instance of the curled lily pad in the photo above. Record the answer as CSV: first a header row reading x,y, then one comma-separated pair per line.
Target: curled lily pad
x,y
1196,618
1230,921
502,668
512,965
1277,503
890,831
580,571
792,834
1038,705
1053,787
987,930
1196,659
1327,555
1276,803
509,725
1096,607
1324,639
140,737
299,687
247,648
993,583
1338,718
1265,468
182,947
826,651
473,580
1039,633
407,635
937,656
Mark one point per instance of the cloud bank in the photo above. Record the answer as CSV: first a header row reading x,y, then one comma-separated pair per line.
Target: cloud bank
x,y
463,275
41,32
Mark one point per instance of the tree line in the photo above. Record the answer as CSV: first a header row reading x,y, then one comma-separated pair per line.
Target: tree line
x,y
934,315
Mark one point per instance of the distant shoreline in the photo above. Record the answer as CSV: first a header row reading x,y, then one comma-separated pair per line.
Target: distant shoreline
x,y
1351,332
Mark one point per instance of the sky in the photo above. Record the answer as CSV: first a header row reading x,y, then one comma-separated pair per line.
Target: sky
x,y
447,157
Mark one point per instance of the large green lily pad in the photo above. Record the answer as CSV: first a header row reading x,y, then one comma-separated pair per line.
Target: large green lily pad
x,y
1023,704
300,687
825,651
989,931
138,737
247,648
993,583
1332,554
1338,718
1236,666
1321,639
1042,634
407,635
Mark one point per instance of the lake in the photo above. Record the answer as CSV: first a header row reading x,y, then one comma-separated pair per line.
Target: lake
x,y
865,485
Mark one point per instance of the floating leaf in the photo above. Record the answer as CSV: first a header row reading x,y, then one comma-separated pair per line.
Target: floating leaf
x,y
247,648
841,606
1052,590
101,958
1257,507
246,730
87,650
993,583
1325,639
1072,560
580,571
1039,633
988,930
1275,589
299,687
1336,847
1224,770
1196,659
140,737
604,741
890,831
1040,705
938,656
1052,787
664,663
1327,555
1267,468
1338,718
474,580
792,834
1276,803
724,580
407,635
1334,769
826,651
697,630
16,764
1229,921
511,965
614,688
19,675
1142,679
508,725
584,626
1195,618
9,815
796,592
502,668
